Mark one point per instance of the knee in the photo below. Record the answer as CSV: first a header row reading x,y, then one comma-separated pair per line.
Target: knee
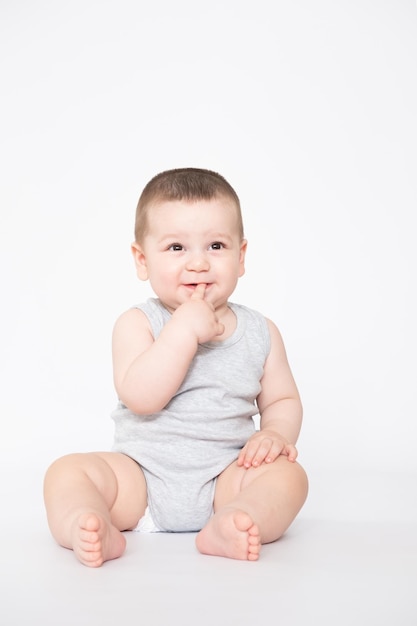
x,y
66,465
294,477
68,460
301,480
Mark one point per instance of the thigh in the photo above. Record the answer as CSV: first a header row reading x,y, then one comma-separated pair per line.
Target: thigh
x,y
131,498
235,479
228,485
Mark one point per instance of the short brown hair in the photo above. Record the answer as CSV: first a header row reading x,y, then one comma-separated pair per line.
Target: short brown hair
x,y
189,184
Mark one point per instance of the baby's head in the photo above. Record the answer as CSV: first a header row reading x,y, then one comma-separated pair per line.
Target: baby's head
x,y
189,184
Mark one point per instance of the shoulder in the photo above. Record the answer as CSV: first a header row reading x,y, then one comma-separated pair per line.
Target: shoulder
x,y
248,313
132,334
278,351
149,316
254,323
267,328
133,318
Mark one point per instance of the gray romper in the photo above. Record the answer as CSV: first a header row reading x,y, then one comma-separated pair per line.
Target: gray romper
x,y
184,447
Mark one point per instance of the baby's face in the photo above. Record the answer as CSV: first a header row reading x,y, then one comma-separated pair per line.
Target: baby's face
x,y
188,243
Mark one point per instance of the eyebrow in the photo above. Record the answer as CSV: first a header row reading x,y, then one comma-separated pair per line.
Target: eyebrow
x,y
183,235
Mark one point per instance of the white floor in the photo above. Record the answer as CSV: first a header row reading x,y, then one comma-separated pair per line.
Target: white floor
x,y
350,558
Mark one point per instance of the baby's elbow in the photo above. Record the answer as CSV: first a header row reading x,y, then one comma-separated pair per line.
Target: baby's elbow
x,y
142,405
134,398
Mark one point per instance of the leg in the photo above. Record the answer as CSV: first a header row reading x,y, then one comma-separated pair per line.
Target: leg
x,y
251,507
90,498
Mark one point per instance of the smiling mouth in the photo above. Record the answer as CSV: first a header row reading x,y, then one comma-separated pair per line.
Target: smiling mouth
x,y
194,285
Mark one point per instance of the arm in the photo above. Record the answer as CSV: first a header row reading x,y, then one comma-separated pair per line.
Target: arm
x,y
280,409
148,372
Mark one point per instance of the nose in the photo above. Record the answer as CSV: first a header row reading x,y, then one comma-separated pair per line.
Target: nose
x,y
197,262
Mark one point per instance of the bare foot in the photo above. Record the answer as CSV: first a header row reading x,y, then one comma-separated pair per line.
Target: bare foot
x,y
95,540
230,533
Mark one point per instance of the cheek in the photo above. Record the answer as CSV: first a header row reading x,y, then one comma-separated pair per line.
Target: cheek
x,y
164,274
235,267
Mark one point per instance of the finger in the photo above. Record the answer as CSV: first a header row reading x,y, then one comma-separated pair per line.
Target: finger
x,y
291,452
220,328
248,454
265,452
241,457
199,291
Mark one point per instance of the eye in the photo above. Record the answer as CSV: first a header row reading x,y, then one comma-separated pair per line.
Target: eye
x,y
216,245
176,247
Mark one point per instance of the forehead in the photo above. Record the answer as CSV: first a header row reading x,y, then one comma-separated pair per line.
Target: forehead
x,y
190,214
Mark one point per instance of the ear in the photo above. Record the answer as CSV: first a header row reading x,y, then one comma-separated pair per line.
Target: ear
x,y
140,261
242,254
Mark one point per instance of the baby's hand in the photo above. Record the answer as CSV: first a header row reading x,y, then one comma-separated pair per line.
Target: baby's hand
x,y
199,316
265,446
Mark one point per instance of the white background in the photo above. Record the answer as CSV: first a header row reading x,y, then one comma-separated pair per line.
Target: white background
x,y
307,108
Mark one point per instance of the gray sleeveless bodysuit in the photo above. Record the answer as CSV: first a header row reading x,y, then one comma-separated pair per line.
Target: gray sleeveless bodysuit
x,y
184,447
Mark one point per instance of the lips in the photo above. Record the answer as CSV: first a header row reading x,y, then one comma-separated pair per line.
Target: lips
x,y
194,285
